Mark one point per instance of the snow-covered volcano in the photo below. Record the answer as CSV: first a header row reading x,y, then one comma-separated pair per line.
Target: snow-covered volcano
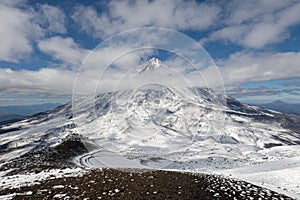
x,y
157,121
161,127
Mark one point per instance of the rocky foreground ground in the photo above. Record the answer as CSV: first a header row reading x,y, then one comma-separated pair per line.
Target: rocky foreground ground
x,y
141,184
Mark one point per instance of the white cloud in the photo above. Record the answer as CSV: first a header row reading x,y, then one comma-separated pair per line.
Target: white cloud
x,y
238,12
243,67
233,34
52,18
44,80
15,32
252,24
257,23
61,81
19,3
63,49
123,15
22,25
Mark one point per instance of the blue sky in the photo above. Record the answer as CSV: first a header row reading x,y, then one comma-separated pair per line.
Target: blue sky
x,y
255,43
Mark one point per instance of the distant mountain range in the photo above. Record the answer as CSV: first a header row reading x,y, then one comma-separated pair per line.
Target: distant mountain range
x,y
282,106
12,113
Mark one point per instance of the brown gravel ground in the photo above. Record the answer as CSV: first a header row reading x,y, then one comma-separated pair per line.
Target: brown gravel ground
x,y
143,184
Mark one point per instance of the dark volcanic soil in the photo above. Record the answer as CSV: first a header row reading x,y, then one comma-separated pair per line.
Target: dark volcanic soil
x,y
129,184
